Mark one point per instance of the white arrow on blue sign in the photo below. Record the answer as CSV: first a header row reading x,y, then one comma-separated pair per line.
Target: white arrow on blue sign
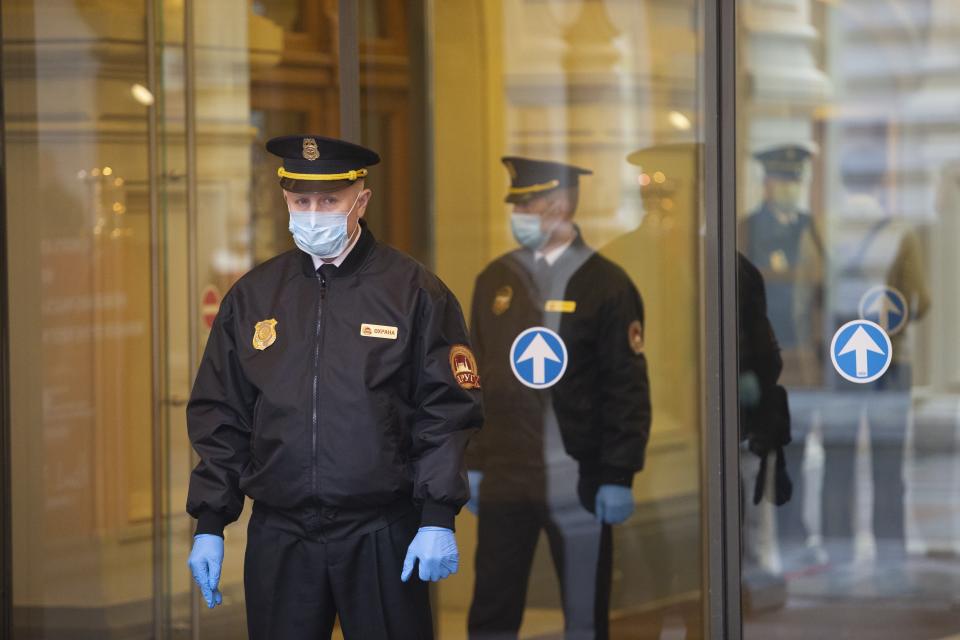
x,y
887,307
861,351
538,357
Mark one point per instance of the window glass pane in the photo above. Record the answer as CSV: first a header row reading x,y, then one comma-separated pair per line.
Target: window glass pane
x,y
849,125
612,88
78,238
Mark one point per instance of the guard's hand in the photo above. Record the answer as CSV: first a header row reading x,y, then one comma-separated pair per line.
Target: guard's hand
x,y
205,561
436,549
614,503
474,477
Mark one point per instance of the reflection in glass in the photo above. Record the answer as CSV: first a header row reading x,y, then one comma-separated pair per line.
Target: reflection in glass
x,y
558,334
80,322
854,553
582,84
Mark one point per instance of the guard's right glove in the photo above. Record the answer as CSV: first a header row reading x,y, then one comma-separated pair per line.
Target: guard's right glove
x,y
473,505
614,503
205,561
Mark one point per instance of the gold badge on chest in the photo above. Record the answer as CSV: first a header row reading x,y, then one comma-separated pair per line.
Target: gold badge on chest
x,y
778,261
502,299
264,334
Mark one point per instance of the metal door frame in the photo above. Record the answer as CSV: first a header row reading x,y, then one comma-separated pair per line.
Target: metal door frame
x,y
6,545
720,484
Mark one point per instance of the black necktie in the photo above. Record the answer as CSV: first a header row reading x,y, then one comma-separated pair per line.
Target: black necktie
x,y
326,271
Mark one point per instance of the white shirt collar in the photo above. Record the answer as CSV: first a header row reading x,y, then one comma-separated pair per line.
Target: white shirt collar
x,y
319,262
554,254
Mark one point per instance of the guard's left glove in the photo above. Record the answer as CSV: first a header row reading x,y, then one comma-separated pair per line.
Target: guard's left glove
x,y
614,503
205,561
436,549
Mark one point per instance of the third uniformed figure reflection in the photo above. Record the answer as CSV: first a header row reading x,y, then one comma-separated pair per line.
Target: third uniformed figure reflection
x,y
779,237
557,457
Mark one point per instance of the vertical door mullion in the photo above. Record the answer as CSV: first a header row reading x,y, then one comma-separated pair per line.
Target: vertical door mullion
x,y
348,36
721,440
193,301
6,548
156,320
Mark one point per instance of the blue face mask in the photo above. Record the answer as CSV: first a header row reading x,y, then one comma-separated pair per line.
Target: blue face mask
x,y
322,234
526,230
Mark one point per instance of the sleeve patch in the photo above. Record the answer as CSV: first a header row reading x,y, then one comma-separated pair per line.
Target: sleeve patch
x,y
635,336
464,367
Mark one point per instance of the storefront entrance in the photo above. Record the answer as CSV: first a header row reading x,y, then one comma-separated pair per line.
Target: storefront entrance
x,y
764,173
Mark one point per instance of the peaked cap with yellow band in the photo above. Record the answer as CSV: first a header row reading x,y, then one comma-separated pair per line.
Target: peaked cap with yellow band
x,y
317,163
531,178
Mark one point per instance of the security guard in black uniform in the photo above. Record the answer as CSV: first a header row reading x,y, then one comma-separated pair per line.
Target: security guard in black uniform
x,y
549,458
337,390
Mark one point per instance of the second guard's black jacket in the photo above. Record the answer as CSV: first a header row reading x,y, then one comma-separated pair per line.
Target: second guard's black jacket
x,y
602,402
353,400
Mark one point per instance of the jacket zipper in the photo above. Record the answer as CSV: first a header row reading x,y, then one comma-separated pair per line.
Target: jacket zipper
x,y
316,381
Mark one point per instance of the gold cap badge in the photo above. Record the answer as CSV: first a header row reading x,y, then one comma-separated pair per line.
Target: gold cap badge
x,y
310,151
501,300
464,367
264,334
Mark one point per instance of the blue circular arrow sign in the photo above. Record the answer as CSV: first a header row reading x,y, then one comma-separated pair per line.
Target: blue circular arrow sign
x,y
538,357
861,351
887,307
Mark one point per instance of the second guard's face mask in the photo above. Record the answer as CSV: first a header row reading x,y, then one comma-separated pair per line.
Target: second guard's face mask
x,y
324,234
526,230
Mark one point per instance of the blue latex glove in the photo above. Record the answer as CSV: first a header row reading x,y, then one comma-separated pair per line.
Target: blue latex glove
x,y
474,477
614,503
205,561
436,549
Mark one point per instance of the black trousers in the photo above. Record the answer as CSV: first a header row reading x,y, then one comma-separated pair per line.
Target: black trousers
x,y
297,581
582,552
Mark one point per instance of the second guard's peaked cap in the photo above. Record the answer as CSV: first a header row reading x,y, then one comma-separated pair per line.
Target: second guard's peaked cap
x,y
314,163
651,158
785,161
530,178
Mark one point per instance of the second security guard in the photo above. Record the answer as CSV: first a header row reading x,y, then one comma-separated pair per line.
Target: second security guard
x,y
558,459
338,391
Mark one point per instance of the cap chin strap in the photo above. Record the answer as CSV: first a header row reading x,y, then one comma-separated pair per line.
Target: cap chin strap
x,y
534,188
349,175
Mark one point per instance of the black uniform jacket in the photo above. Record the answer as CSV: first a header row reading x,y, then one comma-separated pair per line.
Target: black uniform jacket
x,y
330,415
602,402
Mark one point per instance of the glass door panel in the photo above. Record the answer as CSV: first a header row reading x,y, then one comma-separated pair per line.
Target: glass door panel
x,y
79,231
259,69
615,88
849,209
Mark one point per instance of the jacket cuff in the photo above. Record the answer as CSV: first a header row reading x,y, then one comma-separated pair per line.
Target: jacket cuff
x,y
211,522
437,514
616,475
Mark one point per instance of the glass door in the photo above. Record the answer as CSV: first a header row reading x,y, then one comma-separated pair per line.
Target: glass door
x,y
235,73
79,233
849,203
